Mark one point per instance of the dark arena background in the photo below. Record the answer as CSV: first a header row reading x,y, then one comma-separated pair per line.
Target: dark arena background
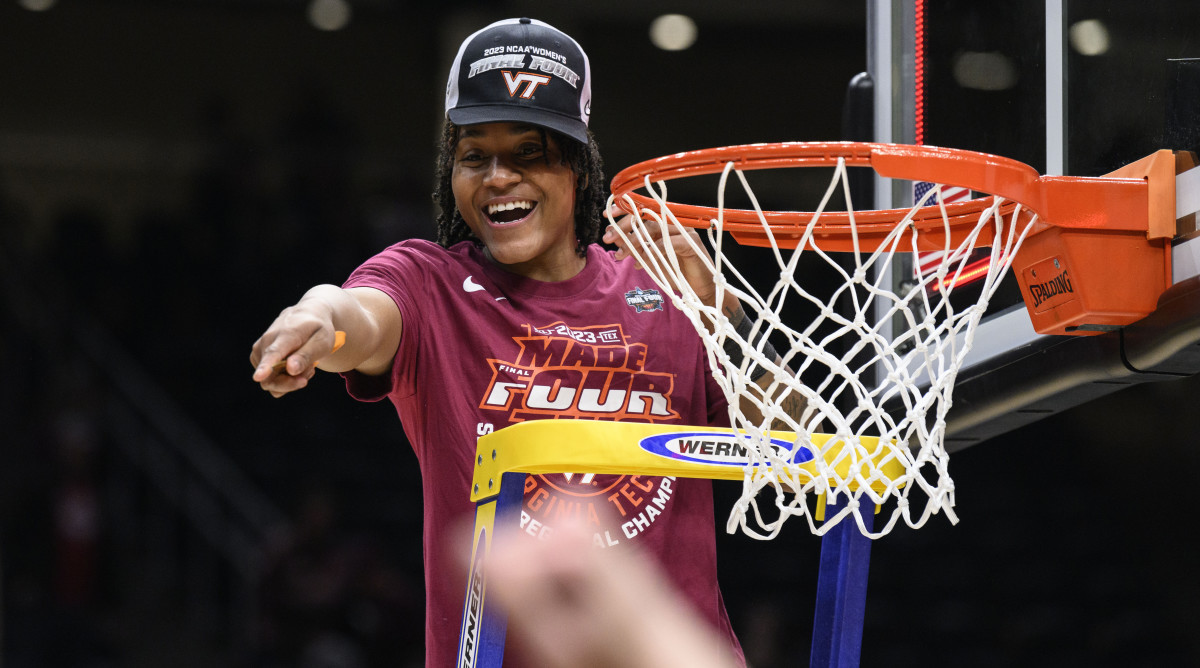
x,y
175,172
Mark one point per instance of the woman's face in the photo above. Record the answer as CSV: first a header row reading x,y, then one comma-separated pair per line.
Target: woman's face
x,y
518,197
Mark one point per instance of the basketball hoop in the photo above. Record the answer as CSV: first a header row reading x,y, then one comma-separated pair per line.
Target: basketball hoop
x,y
883,399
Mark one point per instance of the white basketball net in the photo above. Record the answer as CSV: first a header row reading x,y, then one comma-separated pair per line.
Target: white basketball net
x,y
919,361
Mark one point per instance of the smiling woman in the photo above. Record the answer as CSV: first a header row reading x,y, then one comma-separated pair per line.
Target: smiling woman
x,y
519,314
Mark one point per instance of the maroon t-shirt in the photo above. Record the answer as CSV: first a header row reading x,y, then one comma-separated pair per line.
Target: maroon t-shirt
x,y
483,348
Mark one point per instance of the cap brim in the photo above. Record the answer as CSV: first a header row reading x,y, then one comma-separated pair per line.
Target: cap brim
x,y
499,113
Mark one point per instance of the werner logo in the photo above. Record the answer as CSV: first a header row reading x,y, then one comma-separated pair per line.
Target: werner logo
x,y
717,448
529,81
1059,285
468,644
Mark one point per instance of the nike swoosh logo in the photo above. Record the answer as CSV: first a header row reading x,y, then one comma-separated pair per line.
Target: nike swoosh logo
x,y
469,285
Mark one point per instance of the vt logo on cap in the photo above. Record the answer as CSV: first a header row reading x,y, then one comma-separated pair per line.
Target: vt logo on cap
x,y
521,70
531,81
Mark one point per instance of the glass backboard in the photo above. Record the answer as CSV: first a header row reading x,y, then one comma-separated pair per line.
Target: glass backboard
x,y
1068,87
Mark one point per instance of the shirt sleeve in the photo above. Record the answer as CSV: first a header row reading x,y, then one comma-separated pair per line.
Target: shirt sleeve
x,y
399,271
367,388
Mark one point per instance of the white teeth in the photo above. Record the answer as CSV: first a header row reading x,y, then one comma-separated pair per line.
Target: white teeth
x,y
509,206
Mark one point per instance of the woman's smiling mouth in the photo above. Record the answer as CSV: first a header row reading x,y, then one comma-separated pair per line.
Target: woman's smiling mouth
x,y
504,213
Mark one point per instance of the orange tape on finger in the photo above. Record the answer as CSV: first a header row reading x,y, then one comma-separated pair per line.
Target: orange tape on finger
x,y
339,340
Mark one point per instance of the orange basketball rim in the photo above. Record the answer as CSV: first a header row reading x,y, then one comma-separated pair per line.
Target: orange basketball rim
x,y
1085,225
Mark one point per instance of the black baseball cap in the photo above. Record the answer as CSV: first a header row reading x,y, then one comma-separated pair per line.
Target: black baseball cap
x,y
521,70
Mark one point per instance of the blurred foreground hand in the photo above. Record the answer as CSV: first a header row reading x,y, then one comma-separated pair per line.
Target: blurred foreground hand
x,y
571,604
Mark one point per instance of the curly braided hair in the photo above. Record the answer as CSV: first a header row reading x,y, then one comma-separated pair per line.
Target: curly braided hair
x,y
590,193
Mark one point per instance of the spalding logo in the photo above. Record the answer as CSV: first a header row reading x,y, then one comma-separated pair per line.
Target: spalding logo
x,y
717,448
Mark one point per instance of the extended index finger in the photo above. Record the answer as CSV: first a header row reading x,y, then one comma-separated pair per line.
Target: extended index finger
x,y
274,347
